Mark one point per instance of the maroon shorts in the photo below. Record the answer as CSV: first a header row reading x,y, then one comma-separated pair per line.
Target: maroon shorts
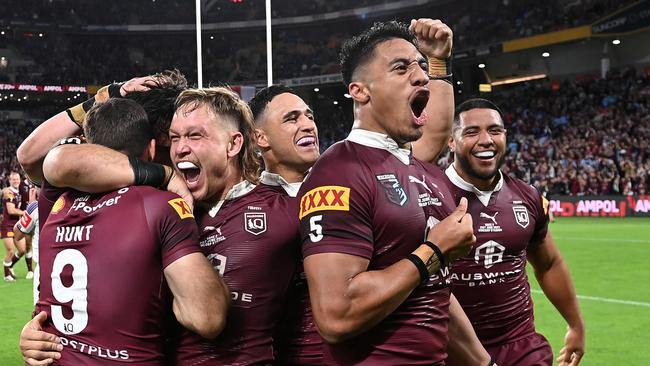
x,y
6,231
533,350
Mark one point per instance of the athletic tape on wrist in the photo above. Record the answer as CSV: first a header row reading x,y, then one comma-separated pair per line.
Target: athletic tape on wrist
x,y
437,251
440,69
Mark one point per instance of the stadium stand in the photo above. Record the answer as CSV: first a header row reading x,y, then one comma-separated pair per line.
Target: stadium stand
x,y
301,49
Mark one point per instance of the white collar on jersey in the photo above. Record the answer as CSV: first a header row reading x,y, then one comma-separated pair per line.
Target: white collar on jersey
x,y
458,181
272,179
236,191
380,141
15,190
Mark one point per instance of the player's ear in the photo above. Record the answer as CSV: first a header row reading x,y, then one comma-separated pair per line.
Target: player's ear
x,y
359,92
261,138
150,151
235,144
451,143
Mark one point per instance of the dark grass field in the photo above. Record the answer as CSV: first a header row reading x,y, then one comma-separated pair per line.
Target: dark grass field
x,y
609,261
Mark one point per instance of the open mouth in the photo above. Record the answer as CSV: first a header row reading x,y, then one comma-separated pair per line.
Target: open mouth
x,y
484,155
306,141
419,102
190,171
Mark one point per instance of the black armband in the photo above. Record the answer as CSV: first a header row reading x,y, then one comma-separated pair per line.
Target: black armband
x,y
78,113
419,264
114,90
150,174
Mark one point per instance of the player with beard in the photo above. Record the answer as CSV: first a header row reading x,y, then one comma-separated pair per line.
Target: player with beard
x,y
90,266
378,225
511,226
244,229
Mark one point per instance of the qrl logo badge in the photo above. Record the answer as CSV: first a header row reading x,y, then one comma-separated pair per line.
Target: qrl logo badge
x,y
521,215
255,222
489,253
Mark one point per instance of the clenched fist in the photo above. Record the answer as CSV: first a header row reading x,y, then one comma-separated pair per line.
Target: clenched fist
x,y
435,38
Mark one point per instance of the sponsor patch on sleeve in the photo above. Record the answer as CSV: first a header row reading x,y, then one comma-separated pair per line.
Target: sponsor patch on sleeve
x,y
58,205
545,204
325,198
25,220
181,207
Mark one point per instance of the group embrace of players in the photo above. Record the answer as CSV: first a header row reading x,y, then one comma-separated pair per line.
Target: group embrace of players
x,y
366,255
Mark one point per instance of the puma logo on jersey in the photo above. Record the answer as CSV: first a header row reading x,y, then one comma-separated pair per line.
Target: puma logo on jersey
x,y
422,182
493,218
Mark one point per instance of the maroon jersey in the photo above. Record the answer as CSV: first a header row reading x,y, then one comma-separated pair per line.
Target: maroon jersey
x,y
10,195
368,198
49,193
24,188
250,238
490,282
297,341
102,284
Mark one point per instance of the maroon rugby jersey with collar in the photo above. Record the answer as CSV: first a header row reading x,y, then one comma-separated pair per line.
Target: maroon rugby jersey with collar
x,y
251,240
297,341
10,195
491,282
368,198
102,258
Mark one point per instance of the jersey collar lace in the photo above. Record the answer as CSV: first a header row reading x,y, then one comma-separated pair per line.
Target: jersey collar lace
x,y
272,179
236,191
483,196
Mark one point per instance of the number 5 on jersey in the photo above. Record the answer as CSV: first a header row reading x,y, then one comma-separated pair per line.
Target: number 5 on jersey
x,y
315,228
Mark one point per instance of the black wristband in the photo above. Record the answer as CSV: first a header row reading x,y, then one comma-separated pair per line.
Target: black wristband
x,y
114,90
438,252
491,363
422,268
446,78
148,174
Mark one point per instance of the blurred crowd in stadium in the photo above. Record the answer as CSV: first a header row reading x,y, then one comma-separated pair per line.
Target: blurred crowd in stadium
x,y
311,49
586,137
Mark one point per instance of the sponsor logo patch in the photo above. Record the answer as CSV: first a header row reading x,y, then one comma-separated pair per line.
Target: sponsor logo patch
x,y
325,198
394,191
181,207
58,205
489,253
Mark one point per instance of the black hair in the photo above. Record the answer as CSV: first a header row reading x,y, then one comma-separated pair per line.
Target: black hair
x,y
474,103
158,101
265,96
357,50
